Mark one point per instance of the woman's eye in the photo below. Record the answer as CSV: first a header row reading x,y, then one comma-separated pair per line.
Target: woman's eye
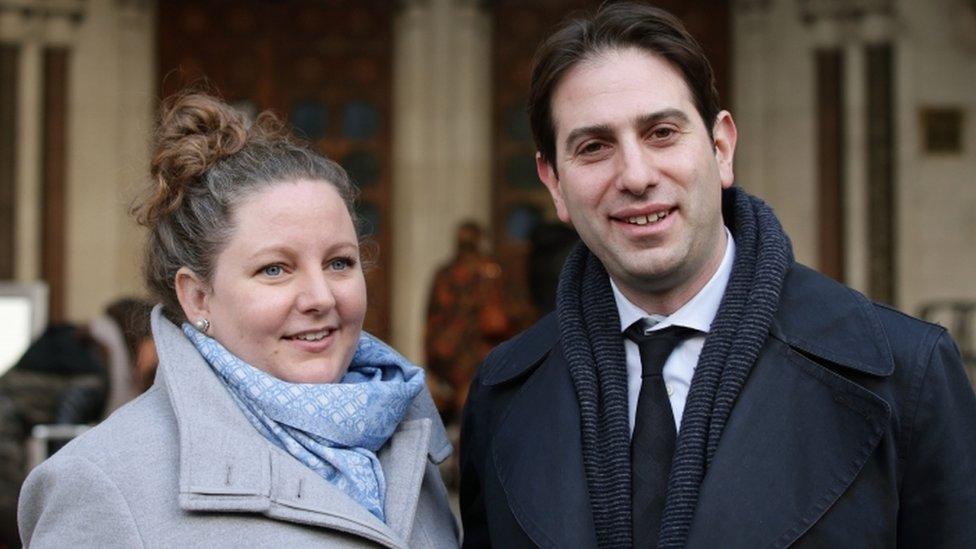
x,y
341,263
273,270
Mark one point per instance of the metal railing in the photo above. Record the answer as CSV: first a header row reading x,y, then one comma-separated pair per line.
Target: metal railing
x,y
47,439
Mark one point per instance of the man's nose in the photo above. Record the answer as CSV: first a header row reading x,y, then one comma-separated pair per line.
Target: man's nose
x,y
636,168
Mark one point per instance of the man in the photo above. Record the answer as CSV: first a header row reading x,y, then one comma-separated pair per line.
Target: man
x,y
790,411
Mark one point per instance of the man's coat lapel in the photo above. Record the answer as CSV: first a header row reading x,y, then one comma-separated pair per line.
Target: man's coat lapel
x,y
800,432
538,456
797,438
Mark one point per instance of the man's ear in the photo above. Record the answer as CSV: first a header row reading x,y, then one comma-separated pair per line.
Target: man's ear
x,y
724,136
549,178
193,294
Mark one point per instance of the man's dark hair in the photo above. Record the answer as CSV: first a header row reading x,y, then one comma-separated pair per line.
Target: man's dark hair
x,y
616,26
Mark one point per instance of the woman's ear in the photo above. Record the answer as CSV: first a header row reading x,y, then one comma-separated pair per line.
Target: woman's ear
x,y
193,294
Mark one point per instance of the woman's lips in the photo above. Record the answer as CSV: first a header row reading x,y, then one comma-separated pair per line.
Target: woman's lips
x,y
314,341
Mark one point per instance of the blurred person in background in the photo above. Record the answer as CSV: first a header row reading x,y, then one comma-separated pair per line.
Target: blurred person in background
x,y
131,357
70,375
549,245
465,319
274,419
61,378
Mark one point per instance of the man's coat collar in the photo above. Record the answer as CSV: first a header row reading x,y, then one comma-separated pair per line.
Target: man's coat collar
x,y
826,319
816,315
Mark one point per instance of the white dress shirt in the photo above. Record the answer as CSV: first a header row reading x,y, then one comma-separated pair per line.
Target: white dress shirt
x,y
698,314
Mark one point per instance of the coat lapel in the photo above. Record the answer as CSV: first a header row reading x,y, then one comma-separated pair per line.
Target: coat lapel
x,y
404,461
797,437
537,453
800,432
273,483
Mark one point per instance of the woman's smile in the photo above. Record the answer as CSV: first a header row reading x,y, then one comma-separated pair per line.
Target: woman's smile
x,y
313,341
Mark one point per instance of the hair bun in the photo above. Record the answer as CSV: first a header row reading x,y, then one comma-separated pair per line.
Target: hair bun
x,y
195,131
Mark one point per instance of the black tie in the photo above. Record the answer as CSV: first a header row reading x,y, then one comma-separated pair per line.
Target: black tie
x,y
652,446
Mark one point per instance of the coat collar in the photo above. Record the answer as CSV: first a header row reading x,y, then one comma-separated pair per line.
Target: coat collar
x,y
548,472
821,317
519,354
816,315
226,465
800,433
797,439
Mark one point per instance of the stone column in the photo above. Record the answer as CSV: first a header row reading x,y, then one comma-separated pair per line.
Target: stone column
x,y
441,147
857,248
113,91
32,25
107,122
853,27
750,21
112,96
774,110
28,162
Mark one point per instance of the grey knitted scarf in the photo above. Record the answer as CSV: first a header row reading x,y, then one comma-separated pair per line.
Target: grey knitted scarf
x,y
590,329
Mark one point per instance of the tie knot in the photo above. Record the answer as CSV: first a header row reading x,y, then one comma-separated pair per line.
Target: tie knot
x,y
655,346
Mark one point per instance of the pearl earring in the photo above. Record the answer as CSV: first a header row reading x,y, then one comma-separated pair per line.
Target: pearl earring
x,y
202,325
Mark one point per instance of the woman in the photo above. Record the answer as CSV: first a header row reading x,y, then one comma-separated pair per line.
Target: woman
x,y
274,419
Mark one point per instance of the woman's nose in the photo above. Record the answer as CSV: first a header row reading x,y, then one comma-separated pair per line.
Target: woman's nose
x,y
316,294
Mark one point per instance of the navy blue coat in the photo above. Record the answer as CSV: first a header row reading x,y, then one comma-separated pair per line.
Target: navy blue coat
x,y
856,428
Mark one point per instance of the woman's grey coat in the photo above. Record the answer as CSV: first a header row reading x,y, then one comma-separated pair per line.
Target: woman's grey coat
x,y
181,466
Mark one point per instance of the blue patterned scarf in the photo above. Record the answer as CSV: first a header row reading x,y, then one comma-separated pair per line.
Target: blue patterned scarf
x,y
333,428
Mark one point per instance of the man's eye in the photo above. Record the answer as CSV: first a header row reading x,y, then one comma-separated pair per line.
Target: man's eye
x,y
592,147
273,270
663,133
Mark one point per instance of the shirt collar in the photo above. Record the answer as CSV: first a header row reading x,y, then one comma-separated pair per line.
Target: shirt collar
x,y
698,313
